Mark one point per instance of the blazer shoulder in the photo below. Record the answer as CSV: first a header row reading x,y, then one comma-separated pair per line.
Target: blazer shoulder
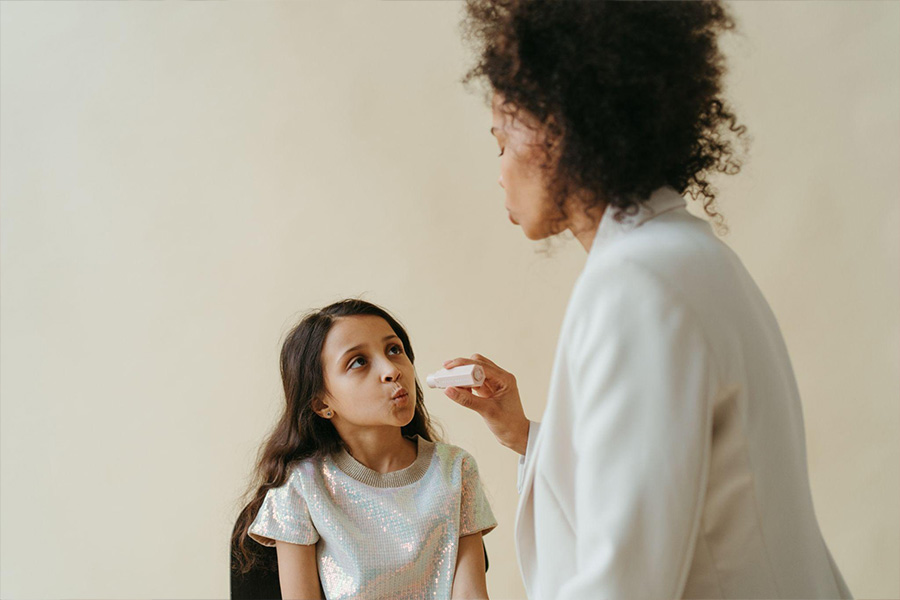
x,y
678,251
667,240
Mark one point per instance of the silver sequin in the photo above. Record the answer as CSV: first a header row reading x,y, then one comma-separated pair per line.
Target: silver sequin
x,y
391,535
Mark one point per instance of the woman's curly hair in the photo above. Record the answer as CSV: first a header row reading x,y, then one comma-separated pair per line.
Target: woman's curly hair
x,y
628,94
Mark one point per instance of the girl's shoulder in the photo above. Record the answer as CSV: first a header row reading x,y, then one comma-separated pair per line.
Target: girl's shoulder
x,y
453,456
301,473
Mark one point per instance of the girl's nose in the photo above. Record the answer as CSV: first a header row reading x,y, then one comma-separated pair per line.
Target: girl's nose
x,y
390,373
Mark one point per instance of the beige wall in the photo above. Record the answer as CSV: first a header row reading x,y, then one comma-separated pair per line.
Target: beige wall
x,y
181,180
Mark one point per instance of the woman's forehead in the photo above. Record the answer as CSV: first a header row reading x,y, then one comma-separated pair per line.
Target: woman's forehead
x,y
507,119
503,123
500,114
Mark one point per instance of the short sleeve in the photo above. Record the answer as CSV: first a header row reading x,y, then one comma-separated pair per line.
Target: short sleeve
x,y
284,516
475,510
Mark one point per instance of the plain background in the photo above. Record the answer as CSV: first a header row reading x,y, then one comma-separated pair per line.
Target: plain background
x,y
181,181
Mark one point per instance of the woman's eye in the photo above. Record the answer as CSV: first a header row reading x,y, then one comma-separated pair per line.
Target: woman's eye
x,y
501,151
356,360
398,348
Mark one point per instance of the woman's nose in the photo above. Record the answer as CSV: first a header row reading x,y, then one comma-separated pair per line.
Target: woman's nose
x,y
500,181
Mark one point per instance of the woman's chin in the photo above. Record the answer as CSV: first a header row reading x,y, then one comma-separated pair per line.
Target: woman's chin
x,y
535,234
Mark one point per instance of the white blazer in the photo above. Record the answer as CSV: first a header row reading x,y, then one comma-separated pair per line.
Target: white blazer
x,y
671,460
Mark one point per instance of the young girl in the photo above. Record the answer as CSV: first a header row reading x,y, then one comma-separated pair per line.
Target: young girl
x,y
353,490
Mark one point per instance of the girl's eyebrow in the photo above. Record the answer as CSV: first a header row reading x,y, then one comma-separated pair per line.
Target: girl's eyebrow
x,y
361,346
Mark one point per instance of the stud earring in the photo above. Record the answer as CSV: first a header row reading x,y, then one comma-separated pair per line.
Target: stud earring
x,y
329,414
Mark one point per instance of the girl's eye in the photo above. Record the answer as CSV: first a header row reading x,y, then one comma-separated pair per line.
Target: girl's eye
x,y
501,151
397,347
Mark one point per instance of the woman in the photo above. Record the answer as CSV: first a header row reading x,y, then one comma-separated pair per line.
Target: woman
x,y
670,461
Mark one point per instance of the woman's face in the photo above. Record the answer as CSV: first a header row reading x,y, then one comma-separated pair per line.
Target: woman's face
x,y
364,364
525,183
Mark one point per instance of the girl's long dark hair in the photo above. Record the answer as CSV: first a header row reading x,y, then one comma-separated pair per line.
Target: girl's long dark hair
x,y
300,432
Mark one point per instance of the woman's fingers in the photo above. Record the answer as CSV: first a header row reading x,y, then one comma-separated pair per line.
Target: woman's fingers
x,y
455,362
491,370
465,398
496,400
477,356
475,359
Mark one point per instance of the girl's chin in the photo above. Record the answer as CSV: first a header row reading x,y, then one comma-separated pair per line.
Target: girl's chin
x,y
405,412
408,415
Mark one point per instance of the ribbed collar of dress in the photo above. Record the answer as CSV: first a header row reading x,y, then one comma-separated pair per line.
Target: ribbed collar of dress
x,y
411,474
662,200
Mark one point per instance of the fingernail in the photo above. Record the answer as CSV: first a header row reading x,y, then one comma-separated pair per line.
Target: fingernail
x,y
451,392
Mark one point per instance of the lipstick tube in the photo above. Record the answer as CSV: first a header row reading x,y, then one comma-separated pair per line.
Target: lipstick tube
x,y
463,376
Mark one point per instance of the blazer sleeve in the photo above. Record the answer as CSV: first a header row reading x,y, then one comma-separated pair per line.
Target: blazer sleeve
x,y
642,379
524,461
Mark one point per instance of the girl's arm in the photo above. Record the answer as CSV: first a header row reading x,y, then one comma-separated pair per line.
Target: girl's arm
x,y
469,581
298,571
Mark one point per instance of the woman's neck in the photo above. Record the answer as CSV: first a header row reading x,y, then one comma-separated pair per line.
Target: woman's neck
x,y
584,224
383,450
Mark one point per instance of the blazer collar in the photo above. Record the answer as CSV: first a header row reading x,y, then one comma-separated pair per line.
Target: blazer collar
x,y
662,200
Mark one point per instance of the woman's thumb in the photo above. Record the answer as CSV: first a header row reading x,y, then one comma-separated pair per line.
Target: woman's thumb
x,y
461,397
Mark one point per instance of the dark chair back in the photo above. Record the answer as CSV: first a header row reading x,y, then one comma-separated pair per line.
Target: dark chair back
x,y
260,582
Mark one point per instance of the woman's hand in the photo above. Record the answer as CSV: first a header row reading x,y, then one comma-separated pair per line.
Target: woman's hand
x,y
496,400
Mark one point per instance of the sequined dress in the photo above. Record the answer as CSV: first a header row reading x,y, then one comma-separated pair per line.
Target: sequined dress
x,y
390,535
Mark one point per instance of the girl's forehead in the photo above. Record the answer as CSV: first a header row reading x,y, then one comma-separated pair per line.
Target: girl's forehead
x,y
357,329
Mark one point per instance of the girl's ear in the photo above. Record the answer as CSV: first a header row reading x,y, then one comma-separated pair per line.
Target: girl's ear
x,y
322,409
325,412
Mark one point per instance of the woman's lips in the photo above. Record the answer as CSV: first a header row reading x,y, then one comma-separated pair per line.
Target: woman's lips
x,y
401,399
511,218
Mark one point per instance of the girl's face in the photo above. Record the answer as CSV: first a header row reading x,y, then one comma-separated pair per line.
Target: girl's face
x,y
365,366
525,183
